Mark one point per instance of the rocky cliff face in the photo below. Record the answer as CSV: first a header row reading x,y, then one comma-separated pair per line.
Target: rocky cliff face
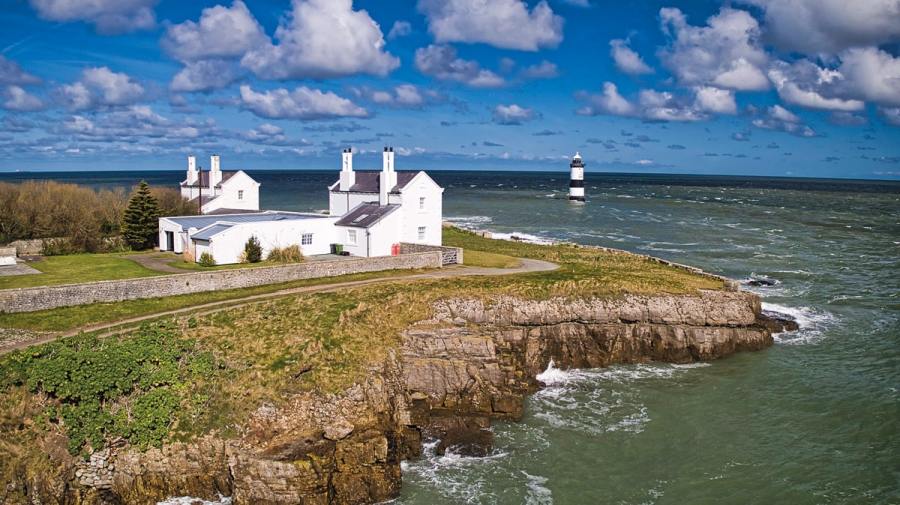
x,y
473,362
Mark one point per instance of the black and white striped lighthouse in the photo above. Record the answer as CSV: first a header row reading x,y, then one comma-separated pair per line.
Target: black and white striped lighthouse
x,y
576,182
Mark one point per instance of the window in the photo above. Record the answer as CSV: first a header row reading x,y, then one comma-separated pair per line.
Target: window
x,y
421,203
306,239
421,233
351,237
240,194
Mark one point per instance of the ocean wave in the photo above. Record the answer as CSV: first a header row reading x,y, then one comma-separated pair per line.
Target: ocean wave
x,y
451,473
813,323
522,237
469,222
538,493
188,500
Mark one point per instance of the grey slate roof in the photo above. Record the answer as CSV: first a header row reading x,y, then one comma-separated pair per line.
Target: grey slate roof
x,y
204,179
205,220
208,232
365,215
370,182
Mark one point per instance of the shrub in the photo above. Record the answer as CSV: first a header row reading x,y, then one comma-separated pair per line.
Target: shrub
x,y
252,250
140,224
207,260
289,254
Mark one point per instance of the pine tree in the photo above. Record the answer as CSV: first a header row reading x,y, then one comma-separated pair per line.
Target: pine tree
x,y
140,225
253,250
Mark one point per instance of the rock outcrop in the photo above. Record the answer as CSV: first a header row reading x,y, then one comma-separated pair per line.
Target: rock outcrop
x,y
474,361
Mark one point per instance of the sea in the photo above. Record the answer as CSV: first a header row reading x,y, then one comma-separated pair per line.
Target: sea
x,y
815,419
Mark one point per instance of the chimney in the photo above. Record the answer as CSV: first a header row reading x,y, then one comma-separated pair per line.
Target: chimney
x,y
348,176
192,169
215,172
388,178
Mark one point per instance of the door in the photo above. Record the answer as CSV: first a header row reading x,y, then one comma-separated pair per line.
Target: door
x,y
170,241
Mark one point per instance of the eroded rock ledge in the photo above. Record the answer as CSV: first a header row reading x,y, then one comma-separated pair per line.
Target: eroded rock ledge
x,y
453,374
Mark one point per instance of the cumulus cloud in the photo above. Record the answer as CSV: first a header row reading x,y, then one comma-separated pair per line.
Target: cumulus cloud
x,y
726,53
512,114
272,135
715,100
301,103
830,26
441,62
221,32
871,74
205,75
626,59
322,39
399,29
507,24
12,73
543,70
803,83
891,115
100,86
108,16
842,118
780,119
607,102
403,96
17,99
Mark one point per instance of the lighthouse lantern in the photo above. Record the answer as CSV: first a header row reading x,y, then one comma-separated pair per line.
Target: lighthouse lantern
x,y
576,180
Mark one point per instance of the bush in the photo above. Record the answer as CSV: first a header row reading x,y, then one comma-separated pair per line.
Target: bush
x,y
207,260
252,250
289,254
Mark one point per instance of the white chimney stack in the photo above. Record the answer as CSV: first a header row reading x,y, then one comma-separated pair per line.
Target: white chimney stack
x,y
215,172
192,169
388,178
348,176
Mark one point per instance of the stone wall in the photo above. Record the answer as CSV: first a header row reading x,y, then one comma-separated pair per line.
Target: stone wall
x,y
7,255
30,247
48,297
450,255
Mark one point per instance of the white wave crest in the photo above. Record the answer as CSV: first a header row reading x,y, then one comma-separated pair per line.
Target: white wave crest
x,y
538,494
522,237
813,323
188,500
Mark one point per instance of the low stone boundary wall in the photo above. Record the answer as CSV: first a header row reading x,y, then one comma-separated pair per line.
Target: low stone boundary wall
x,y
7,255
450,255
49,297
28,247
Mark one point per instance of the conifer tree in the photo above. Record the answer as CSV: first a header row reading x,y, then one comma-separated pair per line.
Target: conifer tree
x,y
140,224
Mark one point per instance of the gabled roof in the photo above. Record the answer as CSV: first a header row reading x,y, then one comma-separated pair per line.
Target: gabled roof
x,y
208,232
370,182
204,180
200,222
365,215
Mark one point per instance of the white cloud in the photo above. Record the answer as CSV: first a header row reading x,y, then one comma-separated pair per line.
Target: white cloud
x,y
108,16
627,60
403,95
715,100
830,26
12,73
301,103
891,115
803,83
651,105
543,70
100,86
399,29
221,32
608,102
781,119
871,74
205,75
507,24
18,99
725,53
512,114
322,39
441,62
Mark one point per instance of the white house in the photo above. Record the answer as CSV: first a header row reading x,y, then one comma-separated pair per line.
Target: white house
x,y
219,192
371,213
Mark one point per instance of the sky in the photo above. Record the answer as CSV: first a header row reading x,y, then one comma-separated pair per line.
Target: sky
x,y
804,88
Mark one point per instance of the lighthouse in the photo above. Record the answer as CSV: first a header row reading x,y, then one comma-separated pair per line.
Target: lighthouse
x,y
576,182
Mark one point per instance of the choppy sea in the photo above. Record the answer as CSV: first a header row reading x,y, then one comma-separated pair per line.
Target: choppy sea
x,y
813,420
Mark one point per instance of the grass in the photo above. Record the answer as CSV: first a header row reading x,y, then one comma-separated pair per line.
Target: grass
x,y
475,258
75,268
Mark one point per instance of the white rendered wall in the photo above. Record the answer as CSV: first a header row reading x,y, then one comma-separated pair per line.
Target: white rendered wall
x,y
227,246
385,233
166,225
360,248
228,194
430,217
342,203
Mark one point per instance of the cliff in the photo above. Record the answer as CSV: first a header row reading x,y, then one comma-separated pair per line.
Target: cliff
x,y
472,361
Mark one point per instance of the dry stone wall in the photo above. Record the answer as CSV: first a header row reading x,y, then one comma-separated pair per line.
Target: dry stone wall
x,y
450,255
49,297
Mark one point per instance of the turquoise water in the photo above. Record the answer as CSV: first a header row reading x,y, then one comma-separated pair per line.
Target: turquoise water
x,y
813,420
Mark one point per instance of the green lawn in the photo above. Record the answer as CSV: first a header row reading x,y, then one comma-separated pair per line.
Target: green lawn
x,y
475,258
75,268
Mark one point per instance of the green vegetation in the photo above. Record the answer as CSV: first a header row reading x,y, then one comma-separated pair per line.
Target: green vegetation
x,y
252,250
140,223
77,268
130,387
206,260
475,258
289,254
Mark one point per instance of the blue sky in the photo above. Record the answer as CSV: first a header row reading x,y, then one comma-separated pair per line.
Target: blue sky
x,y
755,87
